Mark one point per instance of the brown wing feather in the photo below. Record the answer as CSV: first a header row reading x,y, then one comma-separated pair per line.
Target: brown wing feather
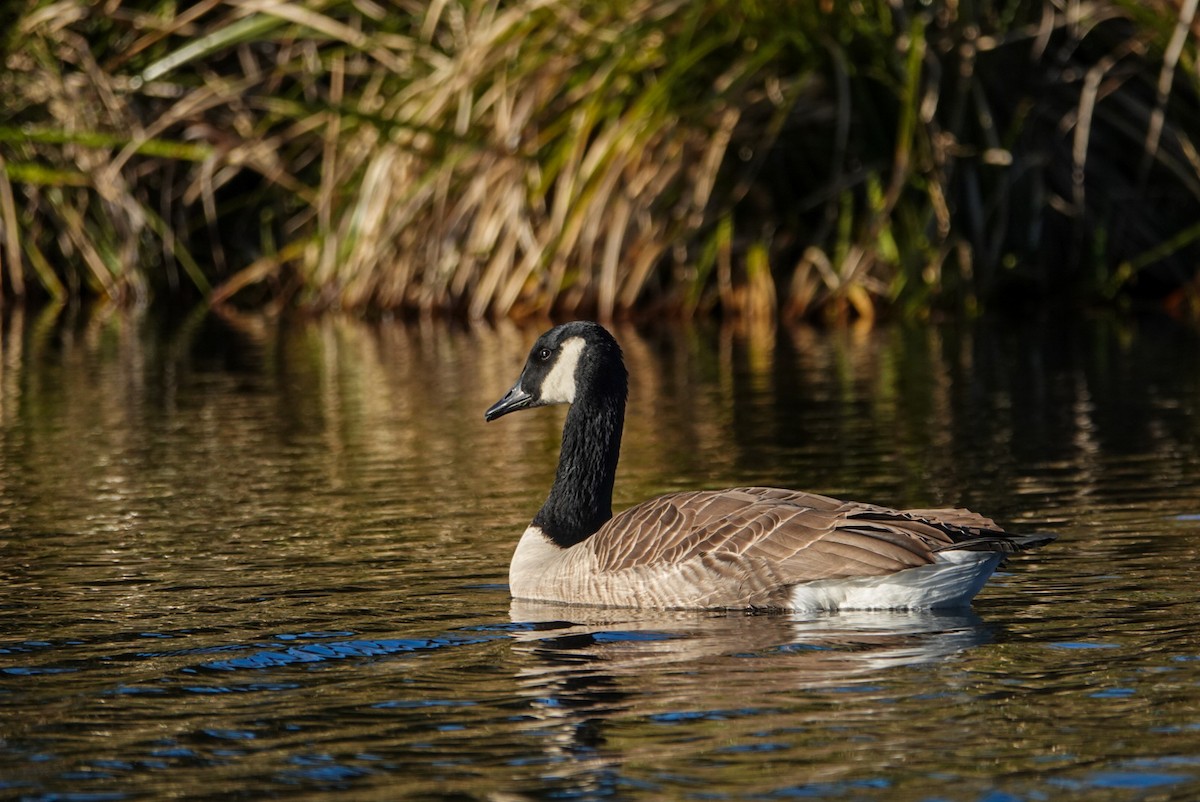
x,y
803,536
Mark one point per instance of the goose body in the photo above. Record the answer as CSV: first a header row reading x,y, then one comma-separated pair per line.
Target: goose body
x,y
740,548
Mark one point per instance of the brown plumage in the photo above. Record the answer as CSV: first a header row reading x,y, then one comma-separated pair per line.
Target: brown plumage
x,y
809,536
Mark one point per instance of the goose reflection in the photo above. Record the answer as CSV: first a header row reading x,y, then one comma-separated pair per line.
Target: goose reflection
x,y
820,647
589,671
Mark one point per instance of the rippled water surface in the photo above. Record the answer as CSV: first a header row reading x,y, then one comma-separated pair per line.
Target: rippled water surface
x,y
240,559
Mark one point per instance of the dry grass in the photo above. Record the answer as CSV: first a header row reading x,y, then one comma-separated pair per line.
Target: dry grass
x,y
490,158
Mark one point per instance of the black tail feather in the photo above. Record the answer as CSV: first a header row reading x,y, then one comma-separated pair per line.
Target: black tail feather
x,y
1032,541
1002,542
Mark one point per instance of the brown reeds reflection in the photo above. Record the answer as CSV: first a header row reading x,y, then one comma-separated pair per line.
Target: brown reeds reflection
x,y
338,433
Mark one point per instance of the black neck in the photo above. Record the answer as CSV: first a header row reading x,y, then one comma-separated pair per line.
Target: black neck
x,y
581,499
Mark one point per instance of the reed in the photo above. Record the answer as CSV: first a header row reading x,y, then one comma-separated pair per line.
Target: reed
x,y
488,158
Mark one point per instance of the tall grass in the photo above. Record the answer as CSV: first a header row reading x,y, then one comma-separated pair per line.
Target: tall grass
x,y
510,158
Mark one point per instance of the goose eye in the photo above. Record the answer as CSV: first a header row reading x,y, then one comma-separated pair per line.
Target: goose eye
x,y
544,354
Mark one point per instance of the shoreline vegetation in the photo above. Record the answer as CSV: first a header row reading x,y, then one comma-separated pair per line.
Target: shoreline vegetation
x,y
827,160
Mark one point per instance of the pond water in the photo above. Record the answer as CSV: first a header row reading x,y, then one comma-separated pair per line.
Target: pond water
x,y
246,559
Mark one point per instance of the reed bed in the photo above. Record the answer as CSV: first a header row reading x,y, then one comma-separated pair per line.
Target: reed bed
x,y
486,158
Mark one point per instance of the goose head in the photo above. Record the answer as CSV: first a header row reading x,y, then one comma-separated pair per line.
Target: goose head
x,y
572,363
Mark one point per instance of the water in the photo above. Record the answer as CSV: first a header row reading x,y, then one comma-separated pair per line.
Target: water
x,y
247,560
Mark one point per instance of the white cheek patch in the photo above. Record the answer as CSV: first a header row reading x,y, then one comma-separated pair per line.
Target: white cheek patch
x,y
559,385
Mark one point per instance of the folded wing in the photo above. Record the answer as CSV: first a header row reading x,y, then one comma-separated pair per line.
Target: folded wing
x,y
803,536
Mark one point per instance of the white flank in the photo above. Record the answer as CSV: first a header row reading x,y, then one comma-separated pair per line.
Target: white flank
x,y
559,385
949,583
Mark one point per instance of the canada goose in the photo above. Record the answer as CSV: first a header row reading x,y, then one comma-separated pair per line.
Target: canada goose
x,y
742,548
